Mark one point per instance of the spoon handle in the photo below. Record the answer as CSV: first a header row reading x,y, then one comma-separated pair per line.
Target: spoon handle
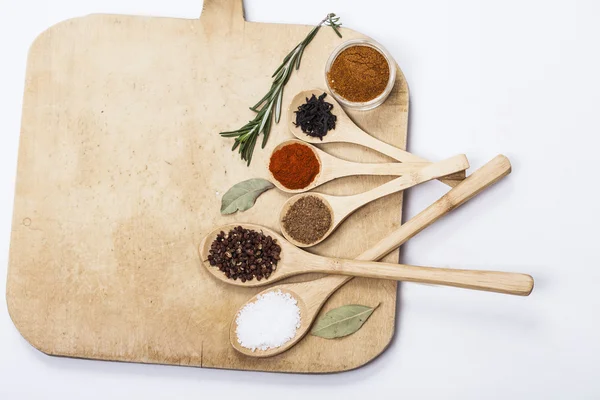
x,y
432,171
474,184
348,168
396,153
490,281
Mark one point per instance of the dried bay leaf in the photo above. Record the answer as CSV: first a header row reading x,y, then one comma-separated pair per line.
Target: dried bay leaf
x,y
342,321
243,195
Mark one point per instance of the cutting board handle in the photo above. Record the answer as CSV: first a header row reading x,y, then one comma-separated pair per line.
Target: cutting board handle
x,y
223,11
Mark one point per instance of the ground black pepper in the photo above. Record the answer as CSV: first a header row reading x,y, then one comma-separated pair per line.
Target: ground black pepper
x,y
244,254
307,220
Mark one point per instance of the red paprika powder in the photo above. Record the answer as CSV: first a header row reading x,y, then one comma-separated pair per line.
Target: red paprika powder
x,y
295,166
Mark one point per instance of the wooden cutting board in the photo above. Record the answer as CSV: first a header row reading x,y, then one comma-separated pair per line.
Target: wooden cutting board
x,y
121,171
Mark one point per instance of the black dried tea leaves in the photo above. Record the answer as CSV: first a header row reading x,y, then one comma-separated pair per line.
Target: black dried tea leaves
x,y
314,117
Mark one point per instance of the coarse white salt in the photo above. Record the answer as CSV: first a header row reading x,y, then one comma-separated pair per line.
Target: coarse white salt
x,y
269,322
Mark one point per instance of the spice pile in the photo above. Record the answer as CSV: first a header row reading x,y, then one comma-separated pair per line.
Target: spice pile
x,y
244,254
314,117
295,166
269,322
307,220
359,74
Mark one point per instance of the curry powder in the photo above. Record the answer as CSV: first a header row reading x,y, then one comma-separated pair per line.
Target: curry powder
x,y
359,73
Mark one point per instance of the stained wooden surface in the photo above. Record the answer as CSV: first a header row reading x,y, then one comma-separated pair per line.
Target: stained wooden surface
x,y
120,175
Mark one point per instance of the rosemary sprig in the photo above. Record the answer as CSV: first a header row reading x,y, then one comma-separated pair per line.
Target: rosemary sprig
x,y
269,106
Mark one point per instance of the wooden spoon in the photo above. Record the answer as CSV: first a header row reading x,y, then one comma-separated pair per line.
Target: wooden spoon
x,y
346,131
332,168
295,261
342,206
312,295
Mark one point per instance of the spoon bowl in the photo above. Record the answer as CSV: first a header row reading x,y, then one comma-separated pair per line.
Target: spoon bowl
x,y
292,259
336,217
302,330
346,131
331,168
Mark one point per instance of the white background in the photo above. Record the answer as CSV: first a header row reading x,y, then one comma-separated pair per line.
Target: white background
x,y
520,78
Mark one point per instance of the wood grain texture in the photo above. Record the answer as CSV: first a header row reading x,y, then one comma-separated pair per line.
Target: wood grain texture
x,y
120,175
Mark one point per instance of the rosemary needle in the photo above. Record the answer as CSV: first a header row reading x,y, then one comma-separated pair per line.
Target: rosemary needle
x,y
269,107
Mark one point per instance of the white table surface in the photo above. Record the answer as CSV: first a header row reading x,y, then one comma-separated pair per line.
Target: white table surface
x,y
520,78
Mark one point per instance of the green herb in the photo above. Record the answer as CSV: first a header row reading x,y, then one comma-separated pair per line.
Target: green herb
x,y
342,321
269,106
243,195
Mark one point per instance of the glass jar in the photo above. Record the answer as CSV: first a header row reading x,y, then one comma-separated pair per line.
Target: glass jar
x,y
377,101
